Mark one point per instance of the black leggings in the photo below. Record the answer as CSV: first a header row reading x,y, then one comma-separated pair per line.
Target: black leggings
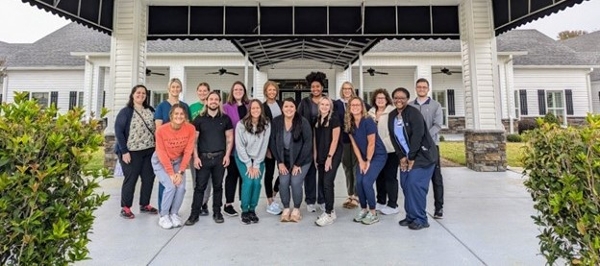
x,y
269,172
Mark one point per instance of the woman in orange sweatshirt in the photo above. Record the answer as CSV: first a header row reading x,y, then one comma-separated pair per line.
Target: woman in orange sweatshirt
x,y
174,148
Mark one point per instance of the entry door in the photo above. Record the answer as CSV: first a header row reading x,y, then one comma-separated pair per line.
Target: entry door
x,y
296,94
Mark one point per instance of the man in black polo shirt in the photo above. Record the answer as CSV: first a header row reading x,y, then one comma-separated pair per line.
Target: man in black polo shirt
x,y
214,133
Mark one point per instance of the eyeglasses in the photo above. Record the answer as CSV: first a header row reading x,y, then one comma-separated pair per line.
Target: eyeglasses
x,y
400,98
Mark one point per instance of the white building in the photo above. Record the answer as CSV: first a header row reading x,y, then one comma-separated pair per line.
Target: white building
x,y
537,74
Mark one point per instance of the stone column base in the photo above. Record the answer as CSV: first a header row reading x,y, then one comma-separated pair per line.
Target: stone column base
x,y
485,150
110,158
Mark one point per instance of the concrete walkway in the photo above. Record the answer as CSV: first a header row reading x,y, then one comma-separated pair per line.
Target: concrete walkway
x,y
486,222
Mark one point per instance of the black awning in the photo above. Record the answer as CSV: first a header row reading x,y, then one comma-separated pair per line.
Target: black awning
x,y
337,52
332,34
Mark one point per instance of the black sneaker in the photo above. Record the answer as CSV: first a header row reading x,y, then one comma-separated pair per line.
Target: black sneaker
x,y
417,226
245,218
253,217
438,214
230,211
191,221
148,209
126,213
218,217
204,210
405,222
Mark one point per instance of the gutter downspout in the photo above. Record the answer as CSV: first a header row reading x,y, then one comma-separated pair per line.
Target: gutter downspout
x,y
509,94
588,84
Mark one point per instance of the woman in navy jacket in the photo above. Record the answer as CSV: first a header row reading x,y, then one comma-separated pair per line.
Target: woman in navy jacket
x,y
417,152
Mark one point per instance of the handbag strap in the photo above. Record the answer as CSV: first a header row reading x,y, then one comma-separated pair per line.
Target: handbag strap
x,y
144,121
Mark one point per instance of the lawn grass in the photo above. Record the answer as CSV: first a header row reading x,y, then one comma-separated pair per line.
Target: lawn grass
x,y
455,151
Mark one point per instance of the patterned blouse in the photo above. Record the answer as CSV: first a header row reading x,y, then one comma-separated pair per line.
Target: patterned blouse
x,y
140,137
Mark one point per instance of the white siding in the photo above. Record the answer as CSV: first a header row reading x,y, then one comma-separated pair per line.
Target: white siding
x,y
533,80
62,81
596,96
478,47
397,77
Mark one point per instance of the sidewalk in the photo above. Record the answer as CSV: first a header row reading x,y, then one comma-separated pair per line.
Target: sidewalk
x,y
486,222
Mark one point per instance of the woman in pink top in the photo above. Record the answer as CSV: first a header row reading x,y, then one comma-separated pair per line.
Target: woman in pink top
x,y
174,148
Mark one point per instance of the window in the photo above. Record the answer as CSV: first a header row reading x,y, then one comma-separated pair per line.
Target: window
x,y
75,99
43,98
442,98
158,97
555,102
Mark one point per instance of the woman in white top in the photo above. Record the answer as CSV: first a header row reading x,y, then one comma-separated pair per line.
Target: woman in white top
x,y
387,181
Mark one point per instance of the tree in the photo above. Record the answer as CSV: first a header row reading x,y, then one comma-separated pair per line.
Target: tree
x,y
567,34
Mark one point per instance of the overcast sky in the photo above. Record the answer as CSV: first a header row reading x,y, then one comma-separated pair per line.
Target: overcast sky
x,y
22,23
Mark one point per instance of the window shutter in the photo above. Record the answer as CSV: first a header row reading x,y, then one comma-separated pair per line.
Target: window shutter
x,y
542,102
523,101
104,99
569,101
148,96
72,99
1,97
54,98
451,105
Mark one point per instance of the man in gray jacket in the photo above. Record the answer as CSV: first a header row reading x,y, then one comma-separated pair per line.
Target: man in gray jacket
x,y
432,113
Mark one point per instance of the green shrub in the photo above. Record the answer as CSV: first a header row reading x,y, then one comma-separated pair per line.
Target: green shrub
x,y
563,165
527,124
442,139
550,118
48,199
514,138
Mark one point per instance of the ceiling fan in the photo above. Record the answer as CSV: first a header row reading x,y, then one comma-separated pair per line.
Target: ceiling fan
x,y
446,71
222,71
372,72
150,72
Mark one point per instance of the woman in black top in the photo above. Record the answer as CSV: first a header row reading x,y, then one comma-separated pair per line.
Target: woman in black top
x,y
272,108
328,155
291,145
309,109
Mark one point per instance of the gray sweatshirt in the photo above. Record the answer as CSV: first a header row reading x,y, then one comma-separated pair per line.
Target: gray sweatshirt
x,y
251,148
432,113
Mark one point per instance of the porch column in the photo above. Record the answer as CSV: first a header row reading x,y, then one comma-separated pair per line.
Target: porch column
x,y
88,77
340,77
260,77
422,71
179,72
127,61
485,144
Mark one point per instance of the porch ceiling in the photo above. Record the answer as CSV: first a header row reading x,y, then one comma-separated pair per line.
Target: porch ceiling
x,y
334,31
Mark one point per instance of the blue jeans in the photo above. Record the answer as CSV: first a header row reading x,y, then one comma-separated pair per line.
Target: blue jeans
x,y
415,185
364,182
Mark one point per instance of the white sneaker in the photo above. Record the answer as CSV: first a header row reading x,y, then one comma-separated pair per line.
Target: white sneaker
x,y
325,214
389,210
322,206
176,220
326,219
274,208
380,207
311,208
165,222
333,214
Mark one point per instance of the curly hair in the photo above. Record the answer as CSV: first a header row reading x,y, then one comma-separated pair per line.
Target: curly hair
x,y
327,117
349,123
262,119
388,99
316,76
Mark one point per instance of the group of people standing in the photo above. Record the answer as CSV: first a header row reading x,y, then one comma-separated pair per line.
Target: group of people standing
x,y
306,143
